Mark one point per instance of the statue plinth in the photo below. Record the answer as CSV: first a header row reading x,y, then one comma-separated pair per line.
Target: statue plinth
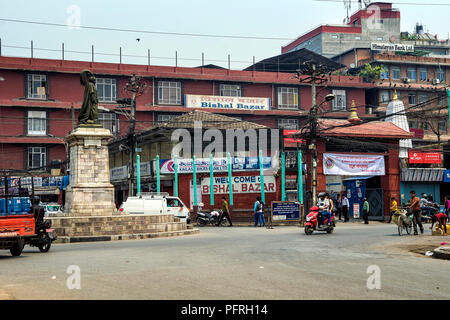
x,y
90,192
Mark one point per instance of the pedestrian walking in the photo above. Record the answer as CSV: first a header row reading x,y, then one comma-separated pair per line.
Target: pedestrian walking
x,y
414,207
259,212
225,212
366,210
345,206
394,208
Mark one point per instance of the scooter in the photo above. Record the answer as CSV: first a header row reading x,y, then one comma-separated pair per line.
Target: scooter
x,y
312,222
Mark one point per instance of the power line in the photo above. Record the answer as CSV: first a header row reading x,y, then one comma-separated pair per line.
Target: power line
x,y
402,3
148,31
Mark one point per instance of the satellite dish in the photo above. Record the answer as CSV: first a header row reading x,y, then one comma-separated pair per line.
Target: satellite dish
x,y
352,65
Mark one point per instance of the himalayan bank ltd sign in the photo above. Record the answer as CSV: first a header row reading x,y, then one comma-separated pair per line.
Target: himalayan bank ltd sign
x,y
233,103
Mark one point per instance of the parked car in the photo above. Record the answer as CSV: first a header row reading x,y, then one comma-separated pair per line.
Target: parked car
x,y
151,204
51,208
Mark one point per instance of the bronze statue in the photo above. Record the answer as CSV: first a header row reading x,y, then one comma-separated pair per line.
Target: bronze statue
x,y
89,109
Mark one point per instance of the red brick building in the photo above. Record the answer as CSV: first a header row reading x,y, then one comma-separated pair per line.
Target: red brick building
x,y
40,99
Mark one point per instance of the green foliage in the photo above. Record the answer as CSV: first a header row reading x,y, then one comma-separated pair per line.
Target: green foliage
x,y
370,72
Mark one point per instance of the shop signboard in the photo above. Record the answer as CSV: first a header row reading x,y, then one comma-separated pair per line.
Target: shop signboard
x,y
353,164
288,142
167,166
400,47
230,103
425,157
285,210
240,184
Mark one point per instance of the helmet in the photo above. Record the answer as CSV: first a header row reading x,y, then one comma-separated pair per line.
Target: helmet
x,y
322,194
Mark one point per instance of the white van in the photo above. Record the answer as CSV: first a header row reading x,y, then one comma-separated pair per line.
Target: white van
x,y
156,204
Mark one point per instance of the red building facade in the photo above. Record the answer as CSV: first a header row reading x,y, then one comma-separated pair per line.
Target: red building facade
x,y
40,99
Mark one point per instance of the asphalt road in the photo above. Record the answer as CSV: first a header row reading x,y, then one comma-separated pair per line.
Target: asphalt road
x,y
235,263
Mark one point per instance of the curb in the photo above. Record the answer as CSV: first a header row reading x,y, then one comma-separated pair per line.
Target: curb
x,y
442,253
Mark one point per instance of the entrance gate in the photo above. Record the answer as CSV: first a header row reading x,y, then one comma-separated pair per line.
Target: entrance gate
x,y
376,202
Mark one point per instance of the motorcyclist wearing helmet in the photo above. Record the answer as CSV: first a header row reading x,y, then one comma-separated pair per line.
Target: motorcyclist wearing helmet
x,y
324,205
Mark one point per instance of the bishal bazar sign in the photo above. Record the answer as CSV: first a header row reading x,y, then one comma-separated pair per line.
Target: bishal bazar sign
x,y
240,184
219,102
353,164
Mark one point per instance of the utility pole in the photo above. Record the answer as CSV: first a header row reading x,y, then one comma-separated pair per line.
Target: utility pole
x,y
315,74
136,86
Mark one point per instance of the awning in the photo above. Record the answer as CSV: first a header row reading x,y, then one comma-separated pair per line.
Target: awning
x,y
422,174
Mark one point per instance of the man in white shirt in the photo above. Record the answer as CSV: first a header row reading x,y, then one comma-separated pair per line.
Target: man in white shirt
x,y
345,206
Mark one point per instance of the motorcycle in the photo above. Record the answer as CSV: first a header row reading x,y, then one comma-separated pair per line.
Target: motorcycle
x,y
312,222
212,218
432,209
44,236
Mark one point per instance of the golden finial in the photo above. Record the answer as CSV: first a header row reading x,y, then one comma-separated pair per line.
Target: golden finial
x,y
395,95
353,117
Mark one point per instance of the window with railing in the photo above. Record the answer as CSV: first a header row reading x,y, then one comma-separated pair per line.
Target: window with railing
x,y
287,98
230,90
109,121
169,92
106,89
37,158
37,86
37,123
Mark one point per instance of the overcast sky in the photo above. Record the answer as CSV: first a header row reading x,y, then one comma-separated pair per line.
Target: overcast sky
x,y
260,18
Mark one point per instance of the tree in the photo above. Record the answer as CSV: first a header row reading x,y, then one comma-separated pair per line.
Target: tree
x,y
369,72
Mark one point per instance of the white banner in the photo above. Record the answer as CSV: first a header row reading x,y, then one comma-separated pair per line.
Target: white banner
x,y
219,102
240,184
392,47
353,165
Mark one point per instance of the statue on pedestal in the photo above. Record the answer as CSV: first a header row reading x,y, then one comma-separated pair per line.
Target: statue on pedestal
x,y
89,110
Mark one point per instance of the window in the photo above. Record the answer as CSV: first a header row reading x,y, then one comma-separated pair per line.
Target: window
x,y
424,126
442,125
340,100
412,99
37,86
423,74
289,124
357,38
166,117
109,121
37,158
380,38
287,98
169,92
423,98
440,75
384,73
412,124
106,90
412,73
396,73
384,96
230,90
334,36
37,123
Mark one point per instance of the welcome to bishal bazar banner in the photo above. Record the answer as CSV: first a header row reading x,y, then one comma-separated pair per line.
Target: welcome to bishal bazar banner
x,y
353,165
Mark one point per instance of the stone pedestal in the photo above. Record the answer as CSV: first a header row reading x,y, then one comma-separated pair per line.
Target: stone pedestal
x,y
90,192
